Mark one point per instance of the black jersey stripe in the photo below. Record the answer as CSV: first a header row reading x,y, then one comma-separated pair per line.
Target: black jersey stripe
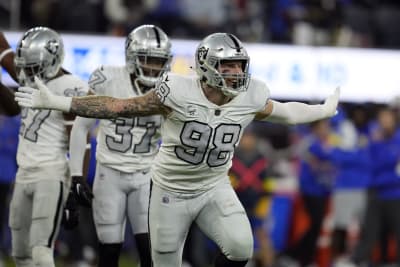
x,y
59,210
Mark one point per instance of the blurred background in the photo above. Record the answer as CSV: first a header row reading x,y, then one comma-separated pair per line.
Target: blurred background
x,y
325,194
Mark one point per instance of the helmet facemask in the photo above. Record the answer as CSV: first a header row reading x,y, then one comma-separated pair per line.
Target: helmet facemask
x,y
147,55
231,84
216,50
27,72
148,66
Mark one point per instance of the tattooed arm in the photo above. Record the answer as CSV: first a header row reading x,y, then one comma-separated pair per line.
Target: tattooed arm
x,y
102,107
105,107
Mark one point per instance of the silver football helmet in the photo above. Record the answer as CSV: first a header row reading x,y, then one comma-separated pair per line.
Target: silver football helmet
x,y
216,49
40,53
148,54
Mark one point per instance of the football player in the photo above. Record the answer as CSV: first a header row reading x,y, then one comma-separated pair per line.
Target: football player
x,y
42,181
7,104
126,146
204,120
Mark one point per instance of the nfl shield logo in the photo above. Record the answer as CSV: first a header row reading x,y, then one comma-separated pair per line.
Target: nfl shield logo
x,y
191,111
165,199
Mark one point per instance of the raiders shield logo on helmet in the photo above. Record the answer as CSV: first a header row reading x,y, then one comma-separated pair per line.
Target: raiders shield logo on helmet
x,y
202,54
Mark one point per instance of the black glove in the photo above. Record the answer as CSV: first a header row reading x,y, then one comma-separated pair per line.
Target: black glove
x,y
70,218
82,191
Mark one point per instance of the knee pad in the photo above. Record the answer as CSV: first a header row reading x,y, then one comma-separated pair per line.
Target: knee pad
x,y
110,233
23,262
240,248
42,256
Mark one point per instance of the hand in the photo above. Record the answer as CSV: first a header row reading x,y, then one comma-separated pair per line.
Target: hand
x,y
41,98
331,103
82,191
70,218
32,97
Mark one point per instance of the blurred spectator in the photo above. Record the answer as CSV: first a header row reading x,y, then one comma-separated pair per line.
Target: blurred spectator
x,y
280,19
386,21
78,16
203,17
167,14
250,173
356,23
370,23
124,15
71,16
384,197
314,22
246,19
351,158
316,178
303,22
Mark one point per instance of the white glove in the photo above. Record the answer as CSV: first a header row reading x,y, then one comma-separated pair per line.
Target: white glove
x,y
41,98
331,103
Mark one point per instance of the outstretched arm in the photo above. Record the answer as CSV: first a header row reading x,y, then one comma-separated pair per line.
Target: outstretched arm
x,y
296,112
102,107
106,107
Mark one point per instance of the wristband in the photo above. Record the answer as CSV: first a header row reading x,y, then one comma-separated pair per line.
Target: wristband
x,y
5,53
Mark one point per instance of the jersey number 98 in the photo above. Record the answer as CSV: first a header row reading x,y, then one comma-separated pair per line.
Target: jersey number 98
x,y
200,140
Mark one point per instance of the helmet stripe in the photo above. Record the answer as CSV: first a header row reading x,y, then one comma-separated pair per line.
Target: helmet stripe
x,y
157,36
236,42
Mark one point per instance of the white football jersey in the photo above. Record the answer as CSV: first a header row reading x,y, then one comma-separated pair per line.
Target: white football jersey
x,y
199,136
125,144
43,140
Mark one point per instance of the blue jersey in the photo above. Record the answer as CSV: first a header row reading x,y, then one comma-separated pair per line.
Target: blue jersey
x,y
316,173
385,156
8,148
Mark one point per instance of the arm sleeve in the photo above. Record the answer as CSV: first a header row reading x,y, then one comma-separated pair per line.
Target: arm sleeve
x,y
77,144
296,112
